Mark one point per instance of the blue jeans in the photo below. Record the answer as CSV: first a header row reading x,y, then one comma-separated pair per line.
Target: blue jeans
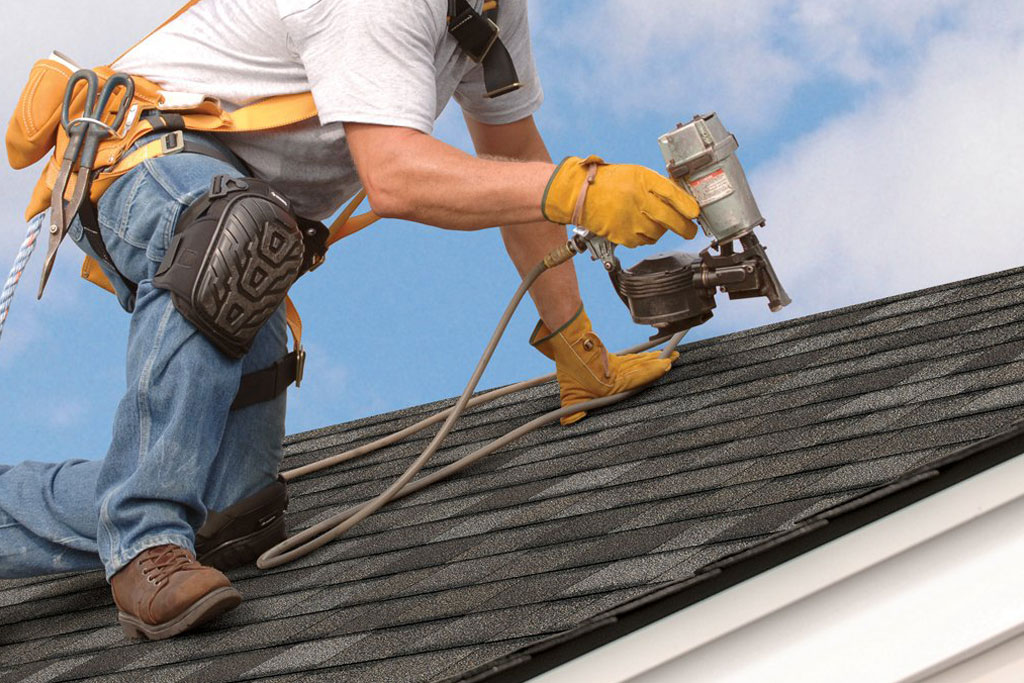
x,y
177,449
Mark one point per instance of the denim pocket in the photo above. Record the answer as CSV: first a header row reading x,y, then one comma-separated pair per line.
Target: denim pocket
x,y
139,212
183,178
139,215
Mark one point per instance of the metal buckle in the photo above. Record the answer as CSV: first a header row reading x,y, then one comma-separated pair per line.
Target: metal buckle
x,y
300,365
172,142
498,92
482,55
317,261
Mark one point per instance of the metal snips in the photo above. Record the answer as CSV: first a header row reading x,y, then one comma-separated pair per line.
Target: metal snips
x,y
85,133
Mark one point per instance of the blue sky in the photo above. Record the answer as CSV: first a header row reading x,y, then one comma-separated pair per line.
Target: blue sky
x,y
883,142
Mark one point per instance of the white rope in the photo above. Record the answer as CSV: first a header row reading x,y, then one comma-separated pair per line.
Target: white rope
x,y
20,261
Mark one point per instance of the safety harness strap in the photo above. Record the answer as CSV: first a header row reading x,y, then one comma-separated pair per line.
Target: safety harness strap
x,y
91,230
188,5
478,35
268,383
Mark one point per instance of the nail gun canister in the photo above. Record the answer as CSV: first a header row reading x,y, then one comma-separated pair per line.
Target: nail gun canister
x,y
700,156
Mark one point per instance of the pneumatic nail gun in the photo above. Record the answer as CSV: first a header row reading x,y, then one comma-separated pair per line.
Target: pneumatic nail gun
x,y
675,291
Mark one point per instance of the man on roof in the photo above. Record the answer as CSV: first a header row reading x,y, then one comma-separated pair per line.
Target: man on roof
x,y
193,461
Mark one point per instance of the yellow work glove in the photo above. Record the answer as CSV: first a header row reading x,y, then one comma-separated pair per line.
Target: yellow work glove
x,y
586,370
625,204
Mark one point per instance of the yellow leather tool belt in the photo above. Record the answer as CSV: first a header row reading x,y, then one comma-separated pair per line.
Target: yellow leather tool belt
x,y
35,130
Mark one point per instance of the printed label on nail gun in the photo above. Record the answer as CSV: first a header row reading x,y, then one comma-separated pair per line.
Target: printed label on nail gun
x,y
711,187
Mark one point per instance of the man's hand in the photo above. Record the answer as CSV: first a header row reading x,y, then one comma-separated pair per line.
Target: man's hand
x,y
628,205
586,370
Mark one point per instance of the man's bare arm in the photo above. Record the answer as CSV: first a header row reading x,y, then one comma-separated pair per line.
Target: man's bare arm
x,y
414,176
556,293
408,174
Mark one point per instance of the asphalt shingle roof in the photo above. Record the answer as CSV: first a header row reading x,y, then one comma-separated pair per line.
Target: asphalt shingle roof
x,y
749,433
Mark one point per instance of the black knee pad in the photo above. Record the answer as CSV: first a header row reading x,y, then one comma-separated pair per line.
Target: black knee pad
x,y
235,252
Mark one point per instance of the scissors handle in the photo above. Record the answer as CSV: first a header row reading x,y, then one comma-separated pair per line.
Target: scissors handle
x,y
92,85
97,132
76,136
116,81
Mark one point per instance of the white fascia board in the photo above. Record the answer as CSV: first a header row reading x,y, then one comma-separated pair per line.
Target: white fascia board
x,y
902,597
1004,663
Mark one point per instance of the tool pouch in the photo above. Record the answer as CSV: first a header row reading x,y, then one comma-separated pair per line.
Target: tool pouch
x,y
32,131
235,253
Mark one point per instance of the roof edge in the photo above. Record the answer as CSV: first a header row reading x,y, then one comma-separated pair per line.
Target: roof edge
x,y
811,532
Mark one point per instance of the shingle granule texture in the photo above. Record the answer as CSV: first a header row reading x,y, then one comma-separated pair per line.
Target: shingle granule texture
x,y
748,433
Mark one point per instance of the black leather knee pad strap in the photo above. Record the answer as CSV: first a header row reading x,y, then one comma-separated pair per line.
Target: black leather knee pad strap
x,y
239,534
235,252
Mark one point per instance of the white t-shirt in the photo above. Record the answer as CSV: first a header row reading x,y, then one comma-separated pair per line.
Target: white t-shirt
x,y
388,62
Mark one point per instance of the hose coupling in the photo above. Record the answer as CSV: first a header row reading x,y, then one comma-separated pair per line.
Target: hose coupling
x,y
557,257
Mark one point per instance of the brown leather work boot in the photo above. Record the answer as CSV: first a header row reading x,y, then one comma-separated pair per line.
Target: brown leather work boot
x,y
165,591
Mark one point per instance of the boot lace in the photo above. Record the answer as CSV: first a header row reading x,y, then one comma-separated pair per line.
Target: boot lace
x,y
158,566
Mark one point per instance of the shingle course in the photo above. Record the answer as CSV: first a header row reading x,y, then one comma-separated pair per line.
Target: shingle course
x,y
749,433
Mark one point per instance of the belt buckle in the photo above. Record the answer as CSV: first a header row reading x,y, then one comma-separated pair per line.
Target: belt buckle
x,y
316,262
300,365
482,54
172,142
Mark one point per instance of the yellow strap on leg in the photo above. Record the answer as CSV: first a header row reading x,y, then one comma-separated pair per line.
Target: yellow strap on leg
x,y
345,224
355,224
294,321
295,325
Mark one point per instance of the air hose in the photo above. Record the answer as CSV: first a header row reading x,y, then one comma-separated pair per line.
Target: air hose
x,y
338,524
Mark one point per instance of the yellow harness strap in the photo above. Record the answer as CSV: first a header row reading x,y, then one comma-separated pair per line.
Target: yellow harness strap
x,y
187,7
114,160
295,325
268,114
346,224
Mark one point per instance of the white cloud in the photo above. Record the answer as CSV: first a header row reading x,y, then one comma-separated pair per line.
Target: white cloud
x,y
747,57
918,187
912,181
858,40
667,55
